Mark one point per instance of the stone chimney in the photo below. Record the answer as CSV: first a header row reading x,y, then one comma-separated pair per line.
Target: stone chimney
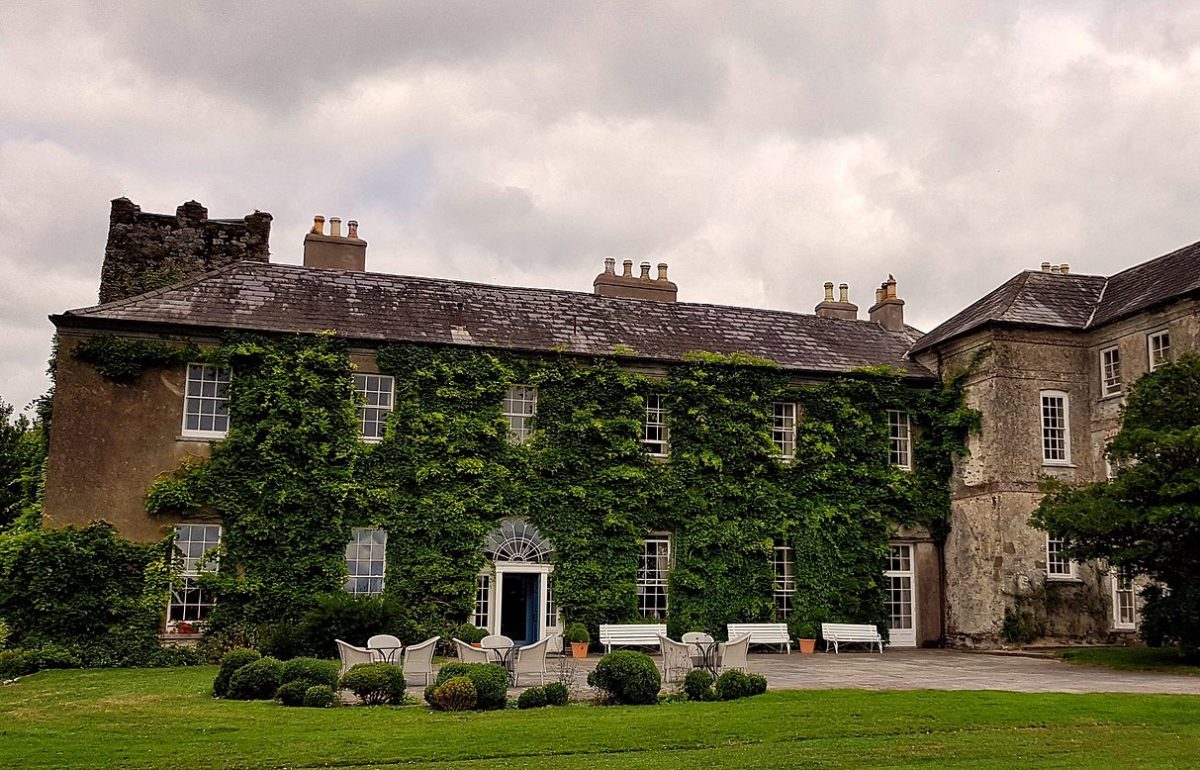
x,y
152,251
609,284
1062,269
334,251
842,308
888,310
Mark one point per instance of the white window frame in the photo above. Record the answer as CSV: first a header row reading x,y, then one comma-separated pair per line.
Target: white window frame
x,y
481,617
1058,567
186,595
1156,358
1065,428
375,551
1125,617
373,417
656,433
654,565
899,439
520,409
219,399
783,429
783,586
1110,372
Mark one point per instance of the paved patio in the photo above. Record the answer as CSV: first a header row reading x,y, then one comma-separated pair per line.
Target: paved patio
x,y
930,670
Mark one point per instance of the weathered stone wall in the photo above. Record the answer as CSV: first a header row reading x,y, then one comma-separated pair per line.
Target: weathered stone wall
x,y
150,251
109,443
995,562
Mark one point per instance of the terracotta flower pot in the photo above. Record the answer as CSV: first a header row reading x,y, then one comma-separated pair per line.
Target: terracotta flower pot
x,y
579,649
477,645
807,646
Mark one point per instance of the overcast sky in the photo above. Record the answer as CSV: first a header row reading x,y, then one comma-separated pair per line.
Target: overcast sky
x,y
760,149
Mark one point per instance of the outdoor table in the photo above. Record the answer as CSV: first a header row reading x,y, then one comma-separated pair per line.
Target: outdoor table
x,y
707,656
504,652
387,654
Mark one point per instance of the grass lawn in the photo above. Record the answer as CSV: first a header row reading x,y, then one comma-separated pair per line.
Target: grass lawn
x,y
165,718
1134,659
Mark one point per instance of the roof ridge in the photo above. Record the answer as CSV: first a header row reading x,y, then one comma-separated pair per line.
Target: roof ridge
x,y
1099,301
1022,278
1154,259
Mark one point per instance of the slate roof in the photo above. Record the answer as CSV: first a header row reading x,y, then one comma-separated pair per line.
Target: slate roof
x,y
1073,301
375,308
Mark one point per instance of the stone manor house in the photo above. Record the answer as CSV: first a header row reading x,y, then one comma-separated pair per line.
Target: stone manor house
x,y
1064,348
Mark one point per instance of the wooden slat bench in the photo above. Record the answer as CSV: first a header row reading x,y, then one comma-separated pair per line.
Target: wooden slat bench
x,y
850,633
762,633
631,635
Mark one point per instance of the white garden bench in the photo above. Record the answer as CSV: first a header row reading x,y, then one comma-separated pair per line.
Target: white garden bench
x,y
761,633
850,633
631,635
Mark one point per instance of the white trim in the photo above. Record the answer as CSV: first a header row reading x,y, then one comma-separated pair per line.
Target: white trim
x,y
192,566
660,579
520,405
1066,426
1071,573
1111,382
904,637
1115,578
1161,333
900,441
354,552
187,433
363,406
783,429
663,440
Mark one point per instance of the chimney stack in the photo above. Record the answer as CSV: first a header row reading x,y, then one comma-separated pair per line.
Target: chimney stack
x,y
609,284
334,251
842,308
888,310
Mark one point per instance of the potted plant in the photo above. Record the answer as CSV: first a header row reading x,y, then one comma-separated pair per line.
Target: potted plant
x,y
805,632
470,634
577,634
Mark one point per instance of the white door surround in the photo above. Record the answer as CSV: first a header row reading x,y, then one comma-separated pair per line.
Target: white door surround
x,y
901,587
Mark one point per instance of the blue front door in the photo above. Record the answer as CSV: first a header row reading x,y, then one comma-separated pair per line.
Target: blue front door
x,y
521,599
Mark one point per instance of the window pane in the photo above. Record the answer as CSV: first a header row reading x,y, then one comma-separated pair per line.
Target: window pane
x,y
520,405
366,561
652,577
206,402
655,436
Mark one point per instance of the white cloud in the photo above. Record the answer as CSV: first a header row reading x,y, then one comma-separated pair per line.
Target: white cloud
x,y
760,149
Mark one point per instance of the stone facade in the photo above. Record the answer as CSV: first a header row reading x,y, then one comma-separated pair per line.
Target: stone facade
x,y
150,251
995,561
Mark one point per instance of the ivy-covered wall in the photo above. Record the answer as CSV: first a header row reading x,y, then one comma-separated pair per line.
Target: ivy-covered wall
x,y
292,479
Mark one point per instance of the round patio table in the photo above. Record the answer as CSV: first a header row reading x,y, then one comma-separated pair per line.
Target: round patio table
x,y
707,656
387,654
502,649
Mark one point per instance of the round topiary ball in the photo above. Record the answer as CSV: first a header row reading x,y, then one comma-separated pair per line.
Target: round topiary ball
x,y
758,684
231,662
533,698
557,694
732,684
320,696
627,677
256,681
457,694
292,693
697,685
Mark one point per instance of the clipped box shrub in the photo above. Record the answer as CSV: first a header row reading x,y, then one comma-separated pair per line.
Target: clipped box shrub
x,y
310,670
292,693
256,681
557,694
375,684
758,684
15,663
456,694
533,698
490,680
697,685
733,684
231,662
627,677
320,696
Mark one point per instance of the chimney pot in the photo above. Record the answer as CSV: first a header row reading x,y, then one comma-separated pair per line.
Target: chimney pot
x,y
609,264
645,271
829,291
332,251
1064,268
626,286
662,271
1045,267
628,266
318,225
352,229
335,227
843,292
1054,268
879,295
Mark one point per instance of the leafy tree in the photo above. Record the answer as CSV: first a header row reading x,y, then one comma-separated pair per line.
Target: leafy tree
x,y
22,453
1147,519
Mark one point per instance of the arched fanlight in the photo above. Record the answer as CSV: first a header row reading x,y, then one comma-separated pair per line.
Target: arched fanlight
x,y
517,540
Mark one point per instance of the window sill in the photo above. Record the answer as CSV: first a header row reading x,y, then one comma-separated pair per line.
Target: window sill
x,y
1063,579
1059,465
209,439
1112,396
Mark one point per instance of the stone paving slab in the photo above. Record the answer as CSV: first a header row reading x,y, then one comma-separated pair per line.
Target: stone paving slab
x,y
929,670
